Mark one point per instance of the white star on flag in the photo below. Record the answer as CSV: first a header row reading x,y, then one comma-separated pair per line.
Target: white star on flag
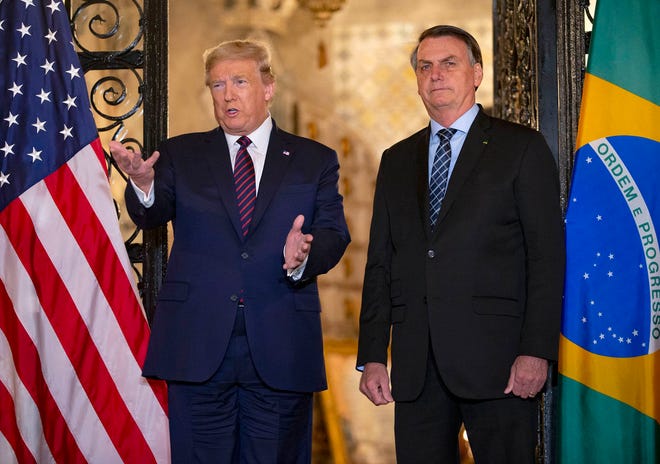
x,y
51,36
73,72
43,96
4,179
35,155
12,119
66,132
40,125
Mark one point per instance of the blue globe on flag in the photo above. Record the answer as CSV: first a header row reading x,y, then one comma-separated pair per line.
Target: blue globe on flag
x,y
613,254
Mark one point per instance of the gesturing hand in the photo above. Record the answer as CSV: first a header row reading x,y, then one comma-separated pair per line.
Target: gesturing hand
x,y
131,163
297,244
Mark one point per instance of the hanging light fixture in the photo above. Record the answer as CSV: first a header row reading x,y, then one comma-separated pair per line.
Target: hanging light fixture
x,y
322,9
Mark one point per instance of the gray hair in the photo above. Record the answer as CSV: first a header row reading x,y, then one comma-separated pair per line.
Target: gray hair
x,y
474,52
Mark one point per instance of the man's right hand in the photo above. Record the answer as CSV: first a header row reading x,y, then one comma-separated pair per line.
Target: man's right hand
x,y
375,383
131,163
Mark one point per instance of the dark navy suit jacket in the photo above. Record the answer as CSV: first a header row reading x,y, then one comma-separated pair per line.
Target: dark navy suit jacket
x,y
211,265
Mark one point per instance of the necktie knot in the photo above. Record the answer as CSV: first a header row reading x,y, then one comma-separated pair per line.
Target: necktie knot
x,y
244,141
445,135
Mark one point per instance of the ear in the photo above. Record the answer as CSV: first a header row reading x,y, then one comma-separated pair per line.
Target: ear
x,y
269,91
478,74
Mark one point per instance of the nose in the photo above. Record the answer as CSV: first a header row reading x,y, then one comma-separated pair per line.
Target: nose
x,y
229,94
437,72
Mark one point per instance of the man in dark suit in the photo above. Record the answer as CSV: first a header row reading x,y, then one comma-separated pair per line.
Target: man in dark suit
x,y
464,275
257,216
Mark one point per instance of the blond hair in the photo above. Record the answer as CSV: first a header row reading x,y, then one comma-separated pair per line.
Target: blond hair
x,y
240,50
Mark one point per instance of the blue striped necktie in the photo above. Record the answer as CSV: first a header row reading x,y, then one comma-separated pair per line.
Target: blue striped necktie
x,y
440,173
244,180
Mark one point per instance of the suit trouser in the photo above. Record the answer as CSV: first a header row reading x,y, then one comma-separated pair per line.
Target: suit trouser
x,y
234,417
500,431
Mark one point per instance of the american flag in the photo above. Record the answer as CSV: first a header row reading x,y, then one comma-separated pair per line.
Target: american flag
x,y
73,333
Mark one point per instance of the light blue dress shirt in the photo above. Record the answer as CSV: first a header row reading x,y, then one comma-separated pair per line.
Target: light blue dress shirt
x,y
462,126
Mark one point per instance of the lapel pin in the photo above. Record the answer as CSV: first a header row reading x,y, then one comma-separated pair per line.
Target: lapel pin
x,y
485,142
286,153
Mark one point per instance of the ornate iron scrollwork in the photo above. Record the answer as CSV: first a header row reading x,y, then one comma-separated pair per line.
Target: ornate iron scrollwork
x,y
116,47
107,42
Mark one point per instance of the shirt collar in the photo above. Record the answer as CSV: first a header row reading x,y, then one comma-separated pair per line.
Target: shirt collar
x,y
259,137
461,124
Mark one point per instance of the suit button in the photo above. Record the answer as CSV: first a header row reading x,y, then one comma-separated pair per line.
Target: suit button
x,y
430,254
245,255
234,298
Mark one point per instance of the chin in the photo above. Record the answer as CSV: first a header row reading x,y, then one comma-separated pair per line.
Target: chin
x,y
232,129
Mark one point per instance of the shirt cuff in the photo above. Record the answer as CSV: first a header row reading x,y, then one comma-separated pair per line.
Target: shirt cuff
x,y
147,199
296,274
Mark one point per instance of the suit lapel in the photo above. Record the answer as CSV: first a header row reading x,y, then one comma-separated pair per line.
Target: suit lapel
x,y
217,156
278,157
474,146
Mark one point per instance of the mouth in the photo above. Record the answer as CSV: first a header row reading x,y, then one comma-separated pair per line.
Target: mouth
x,y
231,111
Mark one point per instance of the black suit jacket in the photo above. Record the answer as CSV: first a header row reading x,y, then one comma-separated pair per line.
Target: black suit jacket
x,y
486,284
211,265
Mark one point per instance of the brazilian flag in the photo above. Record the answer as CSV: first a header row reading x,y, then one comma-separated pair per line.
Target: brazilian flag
x,y
609,364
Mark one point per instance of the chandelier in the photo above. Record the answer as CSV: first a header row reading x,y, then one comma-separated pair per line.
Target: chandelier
x,y
322,9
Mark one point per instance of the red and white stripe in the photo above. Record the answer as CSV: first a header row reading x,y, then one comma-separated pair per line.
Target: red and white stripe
x,y
72,330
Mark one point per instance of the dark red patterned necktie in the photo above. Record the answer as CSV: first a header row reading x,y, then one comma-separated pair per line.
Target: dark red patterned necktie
x,y
244,180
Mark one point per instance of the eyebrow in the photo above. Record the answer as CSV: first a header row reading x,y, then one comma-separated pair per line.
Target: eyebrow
x,y
441,60
231,78
450,57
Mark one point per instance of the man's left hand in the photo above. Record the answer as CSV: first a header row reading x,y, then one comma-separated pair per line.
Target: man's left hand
x,y
528,375
297,245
